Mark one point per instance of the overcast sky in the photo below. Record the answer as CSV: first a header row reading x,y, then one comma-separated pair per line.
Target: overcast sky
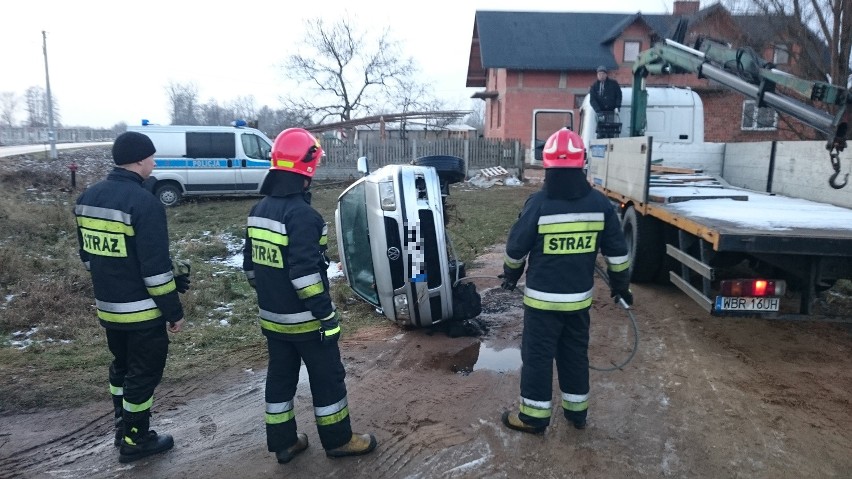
x,y
110,61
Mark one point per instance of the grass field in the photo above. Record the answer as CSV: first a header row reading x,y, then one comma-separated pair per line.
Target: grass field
x,y
52,350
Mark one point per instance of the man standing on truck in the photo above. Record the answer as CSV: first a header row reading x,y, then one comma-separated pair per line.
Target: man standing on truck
x,y
561,228
605,93
284,260
124,244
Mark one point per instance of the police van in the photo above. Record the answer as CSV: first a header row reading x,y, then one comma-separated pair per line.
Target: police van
x,y
206,160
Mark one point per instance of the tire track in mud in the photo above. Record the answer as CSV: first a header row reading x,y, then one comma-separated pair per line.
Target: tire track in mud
x,y
58,452
88,450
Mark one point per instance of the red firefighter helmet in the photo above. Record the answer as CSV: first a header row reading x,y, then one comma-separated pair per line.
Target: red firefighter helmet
x,y
564,149
297,151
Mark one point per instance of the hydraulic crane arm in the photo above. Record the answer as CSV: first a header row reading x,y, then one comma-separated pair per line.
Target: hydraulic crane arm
x,y
745,72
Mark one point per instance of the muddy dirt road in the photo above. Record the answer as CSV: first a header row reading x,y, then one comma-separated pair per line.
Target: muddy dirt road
x,y
703,397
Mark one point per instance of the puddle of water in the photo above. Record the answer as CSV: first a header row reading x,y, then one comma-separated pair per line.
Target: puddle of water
x,y
507,359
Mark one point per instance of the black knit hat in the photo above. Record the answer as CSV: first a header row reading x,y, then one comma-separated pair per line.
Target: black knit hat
x,y
131,147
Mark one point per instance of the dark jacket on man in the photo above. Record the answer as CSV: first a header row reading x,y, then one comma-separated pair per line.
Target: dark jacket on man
x,y
605,95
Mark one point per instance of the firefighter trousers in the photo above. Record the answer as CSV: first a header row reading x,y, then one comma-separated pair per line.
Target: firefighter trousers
x,y
139,357
550,335
328,390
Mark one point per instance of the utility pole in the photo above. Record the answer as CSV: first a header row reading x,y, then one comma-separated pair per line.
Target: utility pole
x,y
51,133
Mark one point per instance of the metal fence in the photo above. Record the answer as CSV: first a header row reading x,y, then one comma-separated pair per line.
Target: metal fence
x,y
26,135
340,161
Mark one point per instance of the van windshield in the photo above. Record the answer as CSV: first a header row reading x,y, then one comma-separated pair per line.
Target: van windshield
x,y
355,248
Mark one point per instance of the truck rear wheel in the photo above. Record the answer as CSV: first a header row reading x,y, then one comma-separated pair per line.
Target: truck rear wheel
x,y
168,193
645,245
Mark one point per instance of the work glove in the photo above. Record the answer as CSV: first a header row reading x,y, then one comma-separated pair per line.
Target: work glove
x,y
181,270
624,294
330,329
508,284
616,111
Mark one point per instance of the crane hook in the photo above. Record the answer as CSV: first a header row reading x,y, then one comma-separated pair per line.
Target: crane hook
x,y
835,163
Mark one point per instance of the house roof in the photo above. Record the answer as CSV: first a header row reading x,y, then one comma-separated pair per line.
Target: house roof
x,y
563,41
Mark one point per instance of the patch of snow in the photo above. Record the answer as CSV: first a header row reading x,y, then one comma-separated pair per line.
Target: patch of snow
x,y
760,211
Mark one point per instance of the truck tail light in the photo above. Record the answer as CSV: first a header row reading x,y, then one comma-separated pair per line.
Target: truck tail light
x,y
753,287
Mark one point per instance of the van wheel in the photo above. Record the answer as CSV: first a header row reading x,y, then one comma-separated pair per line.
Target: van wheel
x,y
645,245
449,168
169,194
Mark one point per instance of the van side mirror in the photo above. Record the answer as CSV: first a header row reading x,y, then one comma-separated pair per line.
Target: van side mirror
x,y
362,166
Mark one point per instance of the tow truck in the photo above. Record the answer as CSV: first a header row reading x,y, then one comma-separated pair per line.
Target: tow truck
x,y
733,225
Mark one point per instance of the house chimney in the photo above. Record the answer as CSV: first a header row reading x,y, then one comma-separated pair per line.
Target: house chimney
x,y
685,7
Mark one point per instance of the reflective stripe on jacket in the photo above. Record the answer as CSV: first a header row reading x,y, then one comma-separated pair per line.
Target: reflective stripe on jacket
x,y
561,240
283,254
124,244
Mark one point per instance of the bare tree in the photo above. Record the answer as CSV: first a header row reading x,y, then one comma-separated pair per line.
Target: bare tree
x,y
212,114
183,103
272,122
406,95
36,105
819,33
476,118
346,71
8,107
243,107
119,128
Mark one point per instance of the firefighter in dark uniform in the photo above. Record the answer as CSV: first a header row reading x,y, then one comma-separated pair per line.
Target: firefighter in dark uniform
x,y
124,244
561,229
284,260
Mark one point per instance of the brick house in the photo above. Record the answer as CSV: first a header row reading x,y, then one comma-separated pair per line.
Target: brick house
x,y
529,60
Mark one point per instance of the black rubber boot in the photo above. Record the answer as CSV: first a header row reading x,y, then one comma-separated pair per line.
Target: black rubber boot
x,y
119,427
143,446
140,442
577,418
288,454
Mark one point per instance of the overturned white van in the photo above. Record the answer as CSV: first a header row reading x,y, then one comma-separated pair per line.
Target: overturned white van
x,y
206,160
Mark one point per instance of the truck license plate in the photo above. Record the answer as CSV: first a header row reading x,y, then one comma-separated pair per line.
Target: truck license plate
x,y
725,303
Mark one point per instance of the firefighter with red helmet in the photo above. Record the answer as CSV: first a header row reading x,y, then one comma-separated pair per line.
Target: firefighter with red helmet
x,y
284,260
559,233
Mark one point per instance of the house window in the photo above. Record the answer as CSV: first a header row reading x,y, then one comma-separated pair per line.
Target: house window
x,y
780,55
631,50
499,113
758,119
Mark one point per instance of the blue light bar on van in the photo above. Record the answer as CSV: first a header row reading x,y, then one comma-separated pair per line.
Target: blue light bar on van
x,y
145,122
239,123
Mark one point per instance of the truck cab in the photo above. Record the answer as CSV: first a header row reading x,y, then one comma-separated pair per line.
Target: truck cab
x,y
674,115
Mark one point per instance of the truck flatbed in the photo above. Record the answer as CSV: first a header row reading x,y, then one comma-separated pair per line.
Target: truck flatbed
x,y
733,219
